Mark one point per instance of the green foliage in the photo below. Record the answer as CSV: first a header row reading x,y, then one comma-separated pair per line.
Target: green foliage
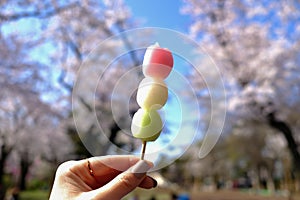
x,y
8,181
38,184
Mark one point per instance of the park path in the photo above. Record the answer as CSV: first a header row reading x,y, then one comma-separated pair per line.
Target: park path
x,y
165,194
232,195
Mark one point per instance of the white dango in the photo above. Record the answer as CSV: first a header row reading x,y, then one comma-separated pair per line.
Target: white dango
x,y
152,93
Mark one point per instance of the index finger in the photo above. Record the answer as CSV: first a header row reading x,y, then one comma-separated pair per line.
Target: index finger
x,y
104,168
114,162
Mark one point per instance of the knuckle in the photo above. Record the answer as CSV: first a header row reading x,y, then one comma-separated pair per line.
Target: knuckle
x,y
64,167
127,181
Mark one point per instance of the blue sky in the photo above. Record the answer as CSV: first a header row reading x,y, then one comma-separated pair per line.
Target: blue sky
x,y
151,13
166,14
160,13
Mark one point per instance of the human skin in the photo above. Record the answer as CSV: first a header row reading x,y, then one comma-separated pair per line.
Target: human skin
x,y
112,177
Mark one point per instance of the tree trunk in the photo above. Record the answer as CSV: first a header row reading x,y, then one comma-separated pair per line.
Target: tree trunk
x,y
4,155
2,162
2,186
287,132
25,165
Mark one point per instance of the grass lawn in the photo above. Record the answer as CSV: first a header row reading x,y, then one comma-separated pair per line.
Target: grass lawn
x,y
34,195
143,194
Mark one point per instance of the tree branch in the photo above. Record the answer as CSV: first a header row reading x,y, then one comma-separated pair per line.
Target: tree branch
x,y
87,106
287,132
135,60
61,80
37,14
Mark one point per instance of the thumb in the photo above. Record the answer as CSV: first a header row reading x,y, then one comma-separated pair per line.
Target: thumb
x,y
124,183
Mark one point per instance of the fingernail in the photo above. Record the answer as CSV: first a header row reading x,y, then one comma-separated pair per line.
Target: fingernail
x,y
154,182
140,168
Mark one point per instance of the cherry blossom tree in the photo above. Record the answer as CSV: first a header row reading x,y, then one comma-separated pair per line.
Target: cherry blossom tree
x,y
256,45
251,151
67,31
29,124
76,33
32,132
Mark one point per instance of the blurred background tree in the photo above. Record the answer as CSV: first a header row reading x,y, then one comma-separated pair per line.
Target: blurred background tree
x,y
29,126
256,45
43,44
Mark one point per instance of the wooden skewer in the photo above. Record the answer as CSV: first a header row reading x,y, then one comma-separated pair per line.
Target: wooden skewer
x,y
143,150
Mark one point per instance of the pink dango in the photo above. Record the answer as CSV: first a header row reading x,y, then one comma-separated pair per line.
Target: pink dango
x,y
158,62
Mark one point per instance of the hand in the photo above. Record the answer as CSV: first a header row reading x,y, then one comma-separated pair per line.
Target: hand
x,y
107,177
